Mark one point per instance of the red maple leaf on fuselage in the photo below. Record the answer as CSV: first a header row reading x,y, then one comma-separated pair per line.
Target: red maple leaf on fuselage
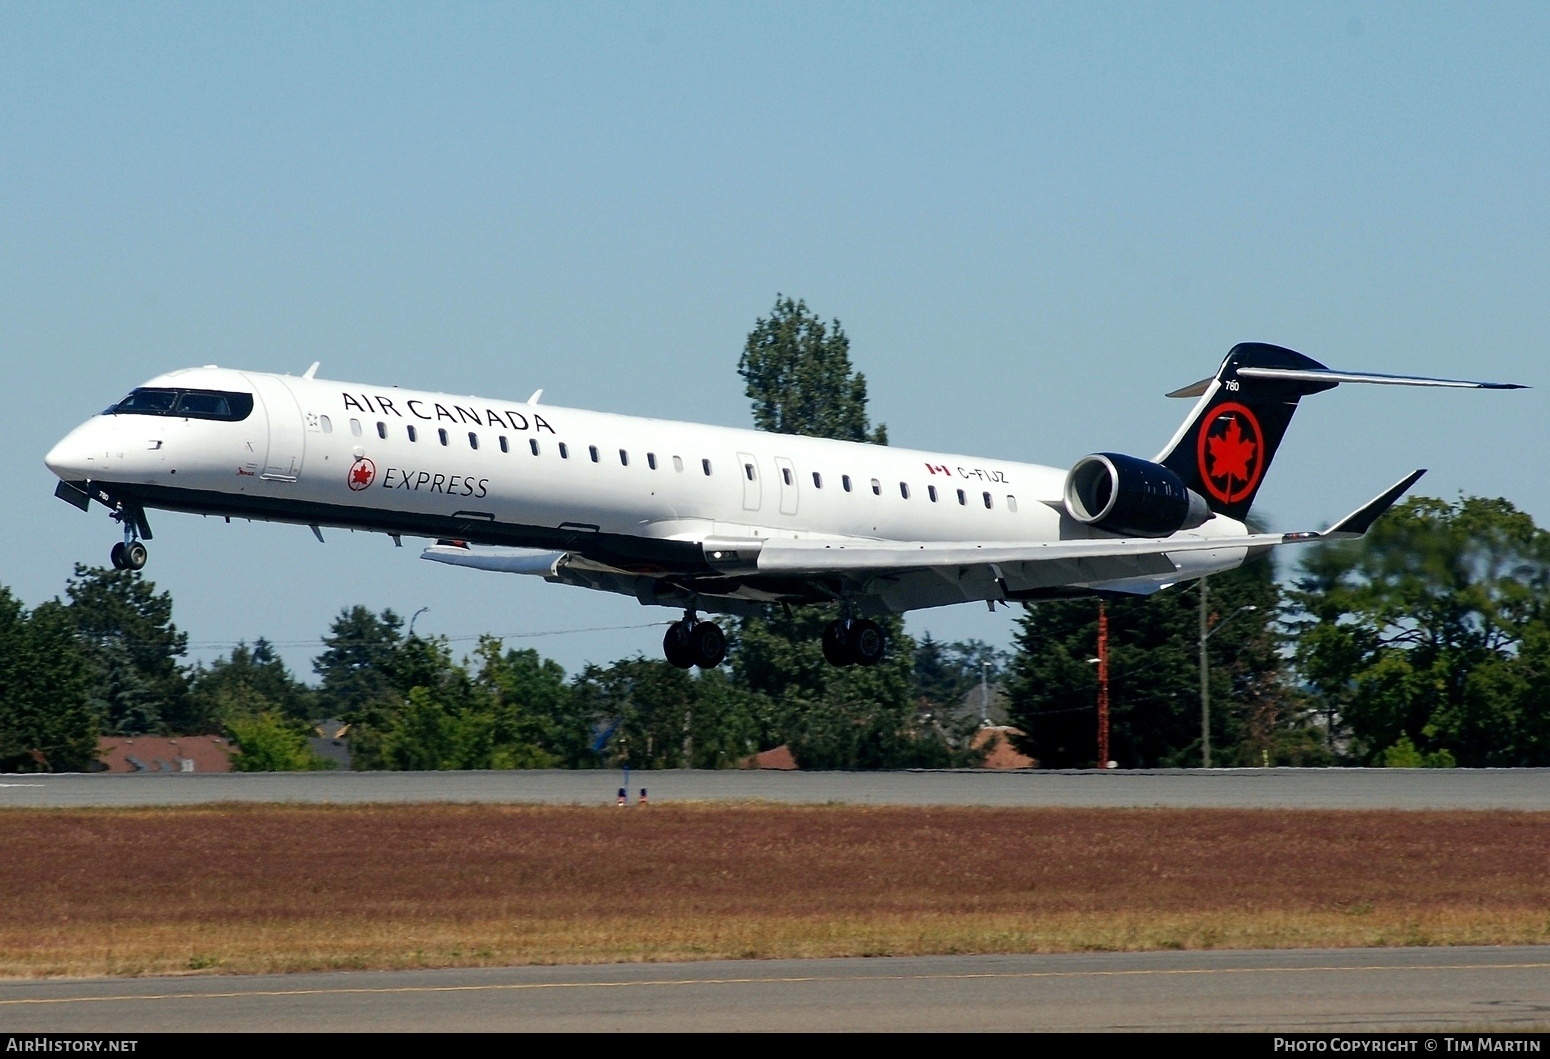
x,y
361,475
1231,453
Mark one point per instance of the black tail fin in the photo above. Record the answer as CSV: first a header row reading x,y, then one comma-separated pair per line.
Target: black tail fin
x,y
1225,446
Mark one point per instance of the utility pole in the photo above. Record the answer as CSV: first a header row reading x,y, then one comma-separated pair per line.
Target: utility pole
x,y
1103,685
985,694
1205,682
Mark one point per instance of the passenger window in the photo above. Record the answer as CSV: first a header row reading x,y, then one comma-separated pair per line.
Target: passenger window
x,y
904,490
1011,504
355,428
564,450
785,473
651,460
441,432
817,480
931,492
962,497
706,464
473,440
414,435
624,458
987,501
327,424
748,470
532,443
593,450
845,482
877,487
382,430
678,463
504,446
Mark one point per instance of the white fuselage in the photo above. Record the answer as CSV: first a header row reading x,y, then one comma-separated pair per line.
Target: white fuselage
x,y
630,493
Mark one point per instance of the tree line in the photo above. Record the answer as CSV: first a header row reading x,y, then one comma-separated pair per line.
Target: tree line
x,y
107,660
1425,643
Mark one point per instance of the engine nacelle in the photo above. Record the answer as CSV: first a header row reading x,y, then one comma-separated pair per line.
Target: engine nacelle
x,y
1136,498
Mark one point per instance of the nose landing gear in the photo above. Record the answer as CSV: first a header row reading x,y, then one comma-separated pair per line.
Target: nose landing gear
x,y
858,642
692,642
130,554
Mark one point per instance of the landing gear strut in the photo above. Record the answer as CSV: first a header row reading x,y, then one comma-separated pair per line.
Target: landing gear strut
x,y
129,554
692,642
858,642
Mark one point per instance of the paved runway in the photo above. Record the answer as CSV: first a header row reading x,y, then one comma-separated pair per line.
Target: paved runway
x,y
1345,990
1186,788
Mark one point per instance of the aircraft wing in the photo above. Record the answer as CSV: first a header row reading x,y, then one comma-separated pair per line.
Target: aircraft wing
x,y
911,574
814,557
787,557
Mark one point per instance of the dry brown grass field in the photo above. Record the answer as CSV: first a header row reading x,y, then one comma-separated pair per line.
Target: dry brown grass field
x,y
282,888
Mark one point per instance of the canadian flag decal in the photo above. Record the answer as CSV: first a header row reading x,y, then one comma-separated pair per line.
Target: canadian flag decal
x,y
937,468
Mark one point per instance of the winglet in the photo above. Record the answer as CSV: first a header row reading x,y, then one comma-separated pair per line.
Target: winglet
x,y
1359,521
312,372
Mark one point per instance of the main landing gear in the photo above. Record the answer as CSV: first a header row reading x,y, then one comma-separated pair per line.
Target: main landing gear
x,y
692,642
857,642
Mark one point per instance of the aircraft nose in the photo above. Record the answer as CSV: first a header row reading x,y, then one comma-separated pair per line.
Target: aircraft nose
x,y
71,458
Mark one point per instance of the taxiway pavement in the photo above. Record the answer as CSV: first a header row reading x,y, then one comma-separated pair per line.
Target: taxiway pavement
x,y
1346,990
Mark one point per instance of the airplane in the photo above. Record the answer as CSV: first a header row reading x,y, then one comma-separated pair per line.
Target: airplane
x,y
699,517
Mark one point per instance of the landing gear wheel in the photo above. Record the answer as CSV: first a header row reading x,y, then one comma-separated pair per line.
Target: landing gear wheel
x,y
708,644
135,556
676,646
117,556
835,651
865,642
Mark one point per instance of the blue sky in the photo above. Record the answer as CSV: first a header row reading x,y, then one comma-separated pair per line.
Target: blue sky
x,y
1031,219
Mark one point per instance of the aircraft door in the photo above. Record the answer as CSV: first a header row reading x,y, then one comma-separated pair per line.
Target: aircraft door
x,y
788,485
287,436
752,492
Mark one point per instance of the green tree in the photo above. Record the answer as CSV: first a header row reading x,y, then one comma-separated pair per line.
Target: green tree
x,y
1432,630
946,672
647,705
46,721
358,663
649,714
269,743
1154,679
134,648
249,681
535,722
799,378
853,718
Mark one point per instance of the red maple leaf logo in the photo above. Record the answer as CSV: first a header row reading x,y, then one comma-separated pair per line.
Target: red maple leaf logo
x,y
362,473
1231,453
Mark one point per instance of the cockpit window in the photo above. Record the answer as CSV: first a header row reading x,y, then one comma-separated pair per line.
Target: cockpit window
x,y
188,404
148,402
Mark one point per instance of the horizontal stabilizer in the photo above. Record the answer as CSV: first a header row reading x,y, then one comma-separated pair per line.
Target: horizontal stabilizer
x,y
1326,375
1360,521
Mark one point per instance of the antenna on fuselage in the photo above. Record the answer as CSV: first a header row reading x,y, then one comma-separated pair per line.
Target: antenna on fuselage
x,y
312,371
536,395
